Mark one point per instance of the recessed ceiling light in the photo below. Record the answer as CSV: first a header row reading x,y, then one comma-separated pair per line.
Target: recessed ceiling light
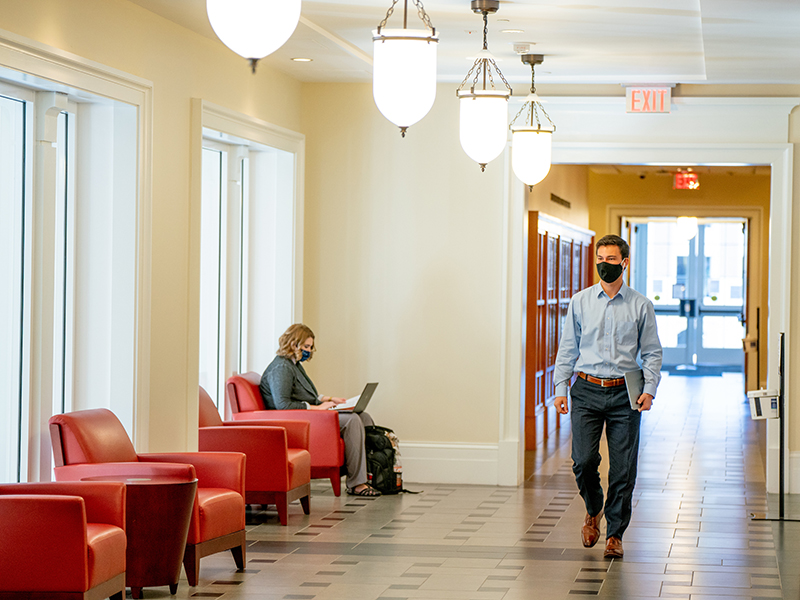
x,y
512,31
302,59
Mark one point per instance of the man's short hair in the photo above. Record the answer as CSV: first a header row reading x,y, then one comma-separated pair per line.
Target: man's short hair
x,y
614,240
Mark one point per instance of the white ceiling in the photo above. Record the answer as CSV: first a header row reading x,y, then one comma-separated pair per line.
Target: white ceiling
x,y
606,41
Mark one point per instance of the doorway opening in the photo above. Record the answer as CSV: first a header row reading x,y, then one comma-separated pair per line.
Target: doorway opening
x,y
694,270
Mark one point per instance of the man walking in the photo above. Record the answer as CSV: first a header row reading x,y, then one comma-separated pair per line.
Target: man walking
x,y
607,326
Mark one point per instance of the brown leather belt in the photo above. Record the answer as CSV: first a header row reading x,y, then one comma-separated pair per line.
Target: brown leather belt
x,y
602,382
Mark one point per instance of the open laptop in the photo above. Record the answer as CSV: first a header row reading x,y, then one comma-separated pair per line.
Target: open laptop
x,y
357,404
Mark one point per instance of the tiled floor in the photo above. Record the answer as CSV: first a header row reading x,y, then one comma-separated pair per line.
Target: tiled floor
x,y
691,537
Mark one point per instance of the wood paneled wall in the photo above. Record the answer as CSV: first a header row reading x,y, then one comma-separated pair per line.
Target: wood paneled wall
x,y
560,259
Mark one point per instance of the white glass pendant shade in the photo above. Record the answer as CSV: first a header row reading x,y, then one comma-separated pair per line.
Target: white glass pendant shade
x,y
404,74
531,152
483,124
253,28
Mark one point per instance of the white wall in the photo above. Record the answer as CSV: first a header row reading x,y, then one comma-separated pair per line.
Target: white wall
x,y
403,277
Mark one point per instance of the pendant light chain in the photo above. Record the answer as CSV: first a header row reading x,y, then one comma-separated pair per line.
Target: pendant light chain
x,y
426,20
483,65
424,16
389,13
533,107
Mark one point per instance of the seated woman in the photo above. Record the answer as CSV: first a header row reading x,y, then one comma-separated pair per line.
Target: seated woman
x,y
285,385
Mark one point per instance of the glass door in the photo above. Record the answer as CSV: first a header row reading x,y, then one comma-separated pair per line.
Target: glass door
x,y
693,270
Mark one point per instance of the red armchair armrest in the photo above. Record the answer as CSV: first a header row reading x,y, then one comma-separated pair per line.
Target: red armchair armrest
x,y
28,520
214,469
104,501
266,450
297,432
48,533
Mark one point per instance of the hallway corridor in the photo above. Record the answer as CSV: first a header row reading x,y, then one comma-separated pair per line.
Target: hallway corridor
x,y
691,537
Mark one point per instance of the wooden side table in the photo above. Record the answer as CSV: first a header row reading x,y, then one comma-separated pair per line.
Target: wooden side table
x,y
157,515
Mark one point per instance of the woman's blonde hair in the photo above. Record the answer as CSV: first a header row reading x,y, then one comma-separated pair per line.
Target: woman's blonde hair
x,y
291,340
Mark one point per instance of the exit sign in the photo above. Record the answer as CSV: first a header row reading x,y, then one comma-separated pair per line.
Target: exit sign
x,y
648,99
686,180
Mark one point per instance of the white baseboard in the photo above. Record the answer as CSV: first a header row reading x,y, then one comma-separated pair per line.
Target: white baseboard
x,y
474,464
792,473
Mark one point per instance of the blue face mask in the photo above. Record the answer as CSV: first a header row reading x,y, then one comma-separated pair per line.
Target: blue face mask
x,y
306,355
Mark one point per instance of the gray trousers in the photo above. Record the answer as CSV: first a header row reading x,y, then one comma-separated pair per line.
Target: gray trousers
x,y
594,407
351,428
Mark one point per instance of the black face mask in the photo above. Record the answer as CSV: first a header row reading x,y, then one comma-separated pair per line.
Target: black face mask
x,y
609,272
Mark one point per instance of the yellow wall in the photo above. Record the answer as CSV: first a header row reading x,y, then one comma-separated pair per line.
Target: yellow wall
x,y
716,191
568,182
182,65
403,265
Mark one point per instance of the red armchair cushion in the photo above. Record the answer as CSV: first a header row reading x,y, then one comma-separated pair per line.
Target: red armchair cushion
x,y
219,511
299,467
106,551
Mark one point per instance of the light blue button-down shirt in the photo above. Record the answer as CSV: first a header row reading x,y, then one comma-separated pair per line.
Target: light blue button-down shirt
x,y
603,337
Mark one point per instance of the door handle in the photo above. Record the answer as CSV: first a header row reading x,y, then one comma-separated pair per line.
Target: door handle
x,y
688,308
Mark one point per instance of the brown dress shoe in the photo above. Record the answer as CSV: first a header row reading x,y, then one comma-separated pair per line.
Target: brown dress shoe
x,y
590,532
613,548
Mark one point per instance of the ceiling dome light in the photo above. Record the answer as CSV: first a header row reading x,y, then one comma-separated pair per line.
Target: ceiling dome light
x,y
483,106
253,28
531,143
404,69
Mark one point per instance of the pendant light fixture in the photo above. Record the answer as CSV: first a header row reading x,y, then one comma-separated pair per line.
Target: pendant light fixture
x,y
253,28
531,140
404,68
484,107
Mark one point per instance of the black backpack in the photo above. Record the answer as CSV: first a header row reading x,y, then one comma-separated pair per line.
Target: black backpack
x,y
384,472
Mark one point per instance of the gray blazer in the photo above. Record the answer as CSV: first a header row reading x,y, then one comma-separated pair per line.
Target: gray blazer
x,y
285,385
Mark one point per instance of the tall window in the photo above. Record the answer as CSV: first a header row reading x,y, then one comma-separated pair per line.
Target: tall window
x,y
12,272
215,163
223,214
64,262
247,268
68,190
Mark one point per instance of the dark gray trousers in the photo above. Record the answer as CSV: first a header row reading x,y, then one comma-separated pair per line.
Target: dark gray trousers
x,y
594,407
351,428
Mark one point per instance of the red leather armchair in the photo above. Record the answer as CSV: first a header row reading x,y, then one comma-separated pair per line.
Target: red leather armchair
x,y
326,446
62,540
92,443
278,462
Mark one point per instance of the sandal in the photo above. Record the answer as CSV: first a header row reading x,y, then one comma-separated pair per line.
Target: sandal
x,y
367,491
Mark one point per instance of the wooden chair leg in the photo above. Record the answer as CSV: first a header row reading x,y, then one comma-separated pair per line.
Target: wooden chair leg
x,y
336,483
238,553
305,502
118,596
282,504
191,563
